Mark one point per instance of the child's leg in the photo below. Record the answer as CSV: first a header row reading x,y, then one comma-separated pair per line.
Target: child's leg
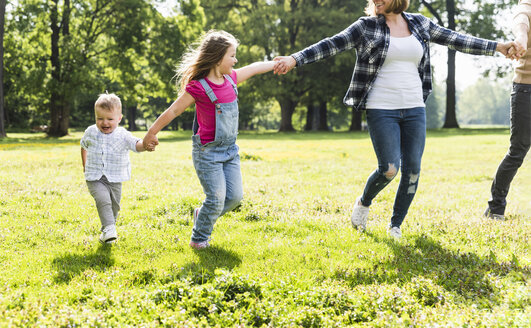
x,y
210,173
233,180
116,196
102,196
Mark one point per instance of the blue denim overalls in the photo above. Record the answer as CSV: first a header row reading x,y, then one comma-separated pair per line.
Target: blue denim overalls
x,y
217,164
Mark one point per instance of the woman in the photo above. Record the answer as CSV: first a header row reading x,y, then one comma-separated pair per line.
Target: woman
x,y
391,80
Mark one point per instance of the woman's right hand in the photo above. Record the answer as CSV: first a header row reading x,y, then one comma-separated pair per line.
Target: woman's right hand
x,y
283,64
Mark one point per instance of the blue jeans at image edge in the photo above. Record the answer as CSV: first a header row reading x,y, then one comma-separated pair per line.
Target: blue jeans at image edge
x,y
217,165
398,138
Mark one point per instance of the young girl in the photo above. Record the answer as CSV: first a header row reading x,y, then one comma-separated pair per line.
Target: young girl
x,y
207,79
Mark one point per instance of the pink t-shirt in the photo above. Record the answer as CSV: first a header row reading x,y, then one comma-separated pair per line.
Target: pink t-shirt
x,y
206,113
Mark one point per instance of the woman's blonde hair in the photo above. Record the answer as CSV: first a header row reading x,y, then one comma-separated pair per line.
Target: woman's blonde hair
x,y
197,62
395,7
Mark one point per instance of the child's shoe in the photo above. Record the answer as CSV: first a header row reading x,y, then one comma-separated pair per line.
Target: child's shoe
x,y
108,235
199,245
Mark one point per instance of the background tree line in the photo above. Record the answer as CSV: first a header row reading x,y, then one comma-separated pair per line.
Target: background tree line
x,y
58,55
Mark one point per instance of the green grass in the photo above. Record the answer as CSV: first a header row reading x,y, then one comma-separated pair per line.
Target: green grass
x,y
287,257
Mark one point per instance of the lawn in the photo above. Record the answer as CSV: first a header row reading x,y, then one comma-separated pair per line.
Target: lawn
x,y
288,257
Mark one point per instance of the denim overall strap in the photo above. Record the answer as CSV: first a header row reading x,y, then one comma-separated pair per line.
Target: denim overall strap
x,y
232,83
211,95
226,129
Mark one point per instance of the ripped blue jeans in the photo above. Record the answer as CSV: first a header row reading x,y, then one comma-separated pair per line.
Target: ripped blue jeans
x,y
398,137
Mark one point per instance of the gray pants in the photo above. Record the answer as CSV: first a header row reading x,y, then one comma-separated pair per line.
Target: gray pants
x,y
107,196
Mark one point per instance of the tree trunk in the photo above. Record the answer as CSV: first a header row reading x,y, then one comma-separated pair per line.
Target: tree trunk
x,y
131,118
323,117
309,117
287,108
451,119
2,21
59,104
355,123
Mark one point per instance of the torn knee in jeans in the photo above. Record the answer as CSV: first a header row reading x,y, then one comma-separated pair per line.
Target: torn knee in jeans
x,y
413,179
391,172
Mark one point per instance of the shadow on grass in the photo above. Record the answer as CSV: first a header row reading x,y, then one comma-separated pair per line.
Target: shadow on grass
x,y
212,258
69,266
465,274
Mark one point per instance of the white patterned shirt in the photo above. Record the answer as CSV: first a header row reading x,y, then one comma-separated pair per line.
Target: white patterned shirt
x,y
108,154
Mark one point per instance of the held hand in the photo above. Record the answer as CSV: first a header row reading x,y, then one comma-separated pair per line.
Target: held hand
x,y
283,64
151,147
511,49
150,141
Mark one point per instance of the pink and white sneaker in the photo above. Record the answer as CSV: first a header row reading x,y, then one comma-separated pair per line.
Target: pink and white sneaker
x,y
199,245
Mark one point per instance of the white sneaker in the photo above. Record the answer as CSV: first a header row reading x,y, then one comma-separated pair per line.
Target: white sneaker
x,y
394,232
108,235
359,216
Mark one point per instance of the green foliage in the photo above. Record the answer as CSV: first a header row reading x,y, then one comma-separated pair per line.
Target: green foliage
x,y
126,47
485,102
270,28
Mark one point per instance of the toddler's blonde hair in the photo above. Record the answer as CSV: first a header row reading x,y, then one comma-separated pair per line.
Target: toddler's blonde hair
x,y
109,102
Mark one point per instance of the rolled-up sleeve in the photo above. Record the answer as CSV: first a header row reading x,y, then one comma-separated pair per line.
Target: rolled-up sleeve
x,y
520,15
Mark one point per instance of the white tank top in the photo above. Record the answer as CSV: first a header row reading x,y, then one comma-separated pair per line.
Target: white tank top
x,y
398,83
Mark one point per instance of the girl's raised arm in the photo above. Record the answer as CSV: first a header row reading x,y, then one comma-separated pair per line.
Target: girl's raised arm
x,y
255,68
177,108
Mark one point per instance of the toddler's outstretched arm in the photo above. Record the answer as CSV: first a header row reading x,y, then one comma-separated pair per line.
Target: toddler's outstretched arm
x,y
177,108
255,68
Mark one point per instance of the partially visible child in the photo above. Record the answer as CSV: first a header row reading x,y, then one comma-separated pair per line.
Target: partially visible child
x,y
207,79
105,155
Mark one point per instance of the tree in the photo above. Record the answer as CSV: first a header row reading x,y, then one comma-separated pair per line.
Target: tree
x,y
270,28
485,102
102,28
480,22
2,18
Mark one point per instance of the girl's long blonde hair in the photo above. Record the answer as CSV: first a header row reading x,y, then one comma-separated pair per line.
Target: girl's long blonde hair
x,y
197,62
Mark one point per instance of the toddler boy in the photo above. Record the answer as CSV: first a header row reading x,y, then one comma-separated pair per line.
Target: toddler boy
x,y
105,155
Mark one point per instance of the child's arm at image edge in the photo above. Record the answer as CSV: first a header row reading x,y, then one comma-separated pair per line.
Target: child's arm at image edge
x,y
253,69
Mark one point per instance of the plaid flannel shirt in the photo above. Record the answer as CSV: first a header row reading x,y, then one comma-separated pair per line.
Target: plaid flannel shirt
x,y
108,154
370,37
